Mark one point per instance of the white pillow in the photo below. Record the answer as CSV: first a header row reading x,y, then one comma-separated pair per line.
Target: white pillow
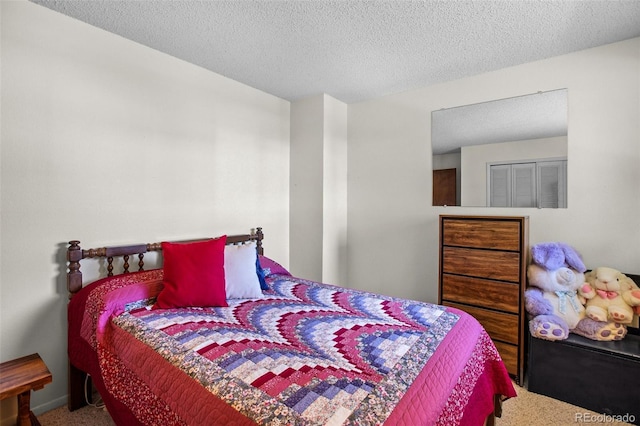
x,y
241,277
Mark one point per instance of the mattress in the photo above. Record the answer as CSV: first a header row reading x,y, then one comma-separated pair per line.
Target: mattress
x,y
306,353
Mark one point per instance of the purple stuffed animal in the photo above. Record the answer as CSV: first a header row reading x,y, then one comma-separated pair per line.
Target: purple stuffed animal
x,y
552,300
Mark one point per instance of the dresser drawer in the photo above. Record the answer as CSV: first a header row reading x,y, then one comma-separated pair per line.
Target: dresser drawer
x,y
509,355
495,234
485,293
500,326
497,265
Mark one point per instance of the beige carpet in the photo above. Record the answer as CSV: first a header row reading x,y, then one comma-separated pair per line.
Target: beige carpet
x,y
527,409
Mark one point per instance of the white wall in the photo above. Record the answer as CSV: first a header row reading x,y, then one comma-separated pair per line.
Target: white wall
x,y
106,141
307,146
393,229
319,189
334,241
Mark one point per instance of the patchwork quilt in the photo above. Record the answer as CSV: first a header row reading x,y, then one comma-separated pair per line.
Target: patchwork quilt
x,y
305,354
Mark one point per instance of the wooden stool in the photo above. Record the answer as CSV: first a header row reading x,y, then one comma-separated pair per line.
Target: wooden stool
x,y
19,377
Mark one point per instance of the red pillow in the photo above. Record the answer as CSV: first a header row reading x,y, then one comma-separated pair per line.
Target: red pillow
x,y
193,274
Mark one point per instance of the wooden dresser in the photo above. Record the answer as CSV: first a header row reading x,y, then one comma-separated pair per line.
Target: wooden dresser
x,y
482,271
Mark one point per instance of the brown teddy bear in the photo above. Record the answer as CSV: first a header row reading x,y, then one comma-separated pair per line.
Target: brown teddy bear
x,y
611,295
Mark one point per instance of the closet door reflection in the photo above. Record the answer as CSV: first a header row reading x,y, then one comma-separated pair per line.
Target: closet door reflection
x,y
532,184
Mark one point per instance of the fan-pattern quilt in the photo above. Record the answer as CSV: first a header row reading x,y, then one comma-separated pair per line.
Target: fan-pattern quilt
x,y
305,354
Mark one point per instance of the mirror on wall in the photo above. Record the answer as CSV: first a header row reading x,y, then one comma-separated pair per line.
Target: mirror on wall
x,y
502,153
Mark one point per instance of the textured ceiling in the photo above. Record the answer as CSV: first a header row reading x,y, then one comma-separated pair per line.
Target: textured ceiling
x,y
358,50
534,116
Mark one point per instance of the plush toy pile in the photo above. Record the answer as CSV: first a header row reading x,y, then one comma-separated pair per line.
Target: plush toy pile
x,y
558,290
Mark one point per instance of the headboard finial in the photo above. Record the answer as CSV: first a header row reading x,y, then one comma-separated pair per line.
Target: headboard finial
x,y
260,236
74,276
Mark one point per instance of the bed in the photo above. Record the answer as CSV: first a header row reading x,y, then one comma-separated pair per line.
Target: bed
x,y
292,352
